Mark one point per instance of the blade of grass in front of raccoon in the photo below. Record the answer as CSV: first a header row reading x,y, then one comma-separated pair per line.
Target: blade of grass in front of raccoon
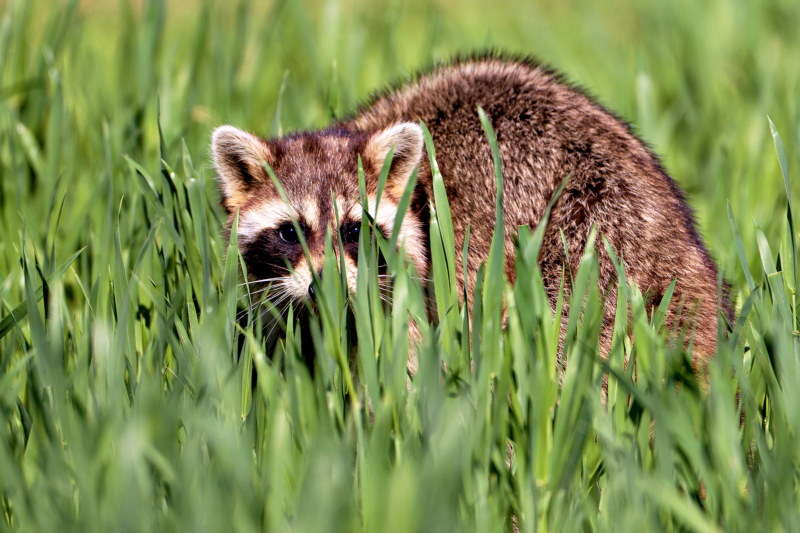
x,y
335,294
516,334
532,250
495,264
440,283
477,318
540,375
566,254
368,301
395,370
323,307
552,352
658,316
402,208
332,337
444,216
531,256
617,354
443,245
377,234
380,327
344,288
466,359
573,406
345,296
382,177
490,366
619,267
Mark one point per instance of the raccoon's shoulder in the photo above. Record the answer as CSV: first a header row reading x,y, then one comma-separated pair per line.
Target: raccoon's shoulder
x,y
501,83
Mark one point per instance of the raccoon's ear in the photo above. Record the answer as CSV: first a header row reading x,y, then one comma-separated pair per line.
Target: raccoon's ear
x,y
238,157
406,138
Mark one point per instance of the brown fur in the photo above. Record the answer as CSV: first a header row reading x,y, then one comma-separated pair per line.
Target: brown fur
x,y
546,130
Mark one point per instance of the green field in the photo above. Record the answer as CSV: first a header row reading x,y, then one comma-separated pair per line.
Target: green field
x,y
127,406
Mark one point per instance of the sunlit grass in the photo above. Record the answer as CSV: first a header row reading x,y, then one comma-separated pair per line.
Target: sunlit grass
x,y
126,383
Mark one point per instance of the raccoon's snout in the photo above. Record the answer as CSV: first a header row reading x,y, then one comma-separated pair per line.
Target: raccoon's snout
x,y
311,292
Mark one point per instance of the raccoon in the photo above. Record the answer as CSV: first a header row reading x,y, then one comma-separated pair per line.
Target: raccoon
x,y
546,129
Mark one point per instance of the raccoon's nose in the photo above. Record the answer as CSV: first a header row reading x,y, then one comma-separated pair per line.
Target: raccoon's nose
x,y
311,287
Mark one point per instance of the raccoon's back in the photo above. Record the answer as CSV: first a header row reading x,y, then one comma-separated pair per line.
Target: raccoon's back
x,y
546,130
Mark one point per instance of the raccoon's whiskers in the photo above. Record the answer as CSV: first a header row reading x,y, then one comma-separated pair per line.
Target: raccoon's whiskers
x,y
274,290
276,285
279,317
276,293
281,297
385,291
265,280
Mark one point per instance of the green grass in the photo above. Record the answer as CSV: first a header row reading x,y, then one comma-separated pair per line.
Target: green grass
x,y
126,406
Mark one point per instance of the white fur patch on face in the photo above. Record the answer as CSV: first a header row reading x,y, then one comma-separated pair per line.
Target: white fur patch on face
x,y
339,208
301,279
266,215
310,212
272,213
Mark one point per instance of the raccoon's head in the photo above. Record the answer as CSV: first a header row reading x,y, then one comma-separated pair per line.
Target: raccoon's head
x,y
315,170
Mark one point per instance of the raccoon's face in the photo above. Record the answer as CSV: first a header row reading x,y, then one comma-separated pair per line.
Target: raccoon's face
x,y
319,175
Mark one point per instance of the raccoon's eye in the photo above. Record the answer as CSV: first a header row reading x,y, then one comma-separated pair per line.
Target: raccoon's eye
x,y
351,233
288,233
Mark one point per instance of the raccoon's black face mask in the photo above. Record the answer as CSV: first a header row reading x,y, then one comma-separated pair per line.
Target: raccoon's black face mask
x,y
319,174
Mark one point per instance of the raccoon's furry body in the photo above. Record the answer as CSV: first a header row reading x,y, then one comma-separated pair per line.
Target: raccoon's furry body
x,y
546,130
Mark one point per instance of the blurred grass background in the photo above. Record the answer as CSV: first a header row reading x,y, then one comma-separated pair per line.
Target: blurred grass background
x,y
81,86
